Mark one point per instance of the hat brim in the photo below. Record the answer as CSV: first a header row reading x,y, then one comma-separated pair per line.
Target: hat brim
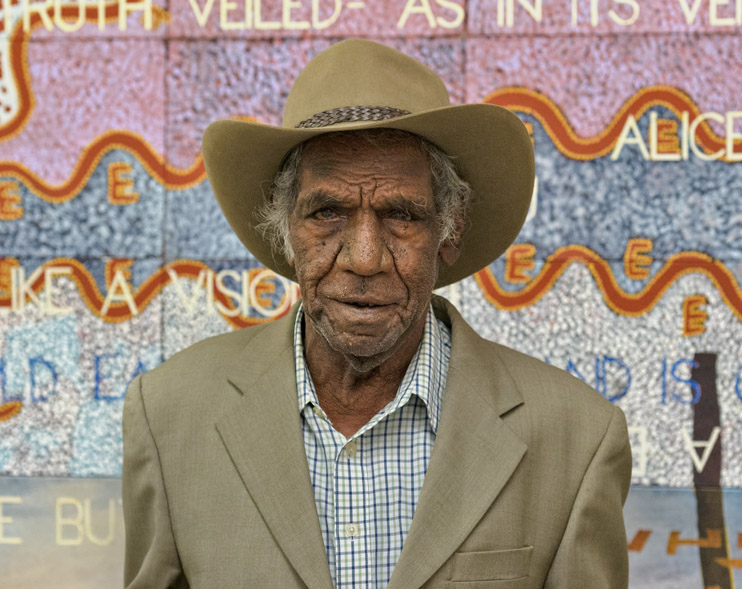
x,y
489,146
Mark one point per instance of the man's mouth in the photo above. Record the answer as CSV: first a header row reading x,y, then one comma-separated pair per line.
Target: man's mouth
x,y
363,304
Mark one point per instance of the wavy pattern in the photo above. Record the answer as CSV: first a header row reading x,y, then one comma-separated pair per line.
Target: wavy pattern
x,y
517,99
589,148
614,296
17,44
169,176
620,301
119,311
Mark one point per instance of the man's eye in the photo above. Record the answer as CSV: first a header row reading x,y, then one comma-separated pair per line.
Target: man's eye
x,y
401,215
325,214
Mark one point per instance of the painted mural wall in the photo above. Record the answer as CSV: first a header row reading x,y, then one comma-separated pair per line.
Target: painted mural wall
x,y
114,254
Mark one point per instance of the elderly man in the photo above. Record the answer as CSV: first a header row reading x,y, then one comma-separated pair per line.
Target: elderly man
x,y
371,438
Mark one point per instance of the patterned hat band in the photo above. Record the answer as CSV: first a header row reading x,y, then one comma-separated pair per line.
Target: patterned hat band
x,y
350,114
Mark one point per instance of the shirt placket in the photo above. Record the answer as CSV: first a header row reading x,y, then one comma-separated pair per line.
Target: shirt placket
x,y
363,540
322,447
352,532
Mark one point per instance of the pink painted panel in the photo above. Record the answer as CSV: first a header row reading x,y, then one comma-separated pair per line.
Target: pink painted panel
x,y
544,17
208,81
300,18
589,78
84,89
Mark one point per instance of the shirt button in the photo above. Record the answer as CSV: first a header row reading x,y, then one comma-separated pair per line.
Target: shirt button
x,y
318,412
350,449
351,530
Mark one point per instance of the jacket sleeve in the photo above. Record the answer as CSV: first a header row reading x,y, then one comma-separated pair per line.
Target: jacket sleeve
x,y
593,550
151,560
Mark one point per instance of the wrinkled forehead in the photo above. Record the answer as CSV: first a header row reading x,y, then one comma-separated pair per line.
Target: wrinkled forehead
x,y
377,150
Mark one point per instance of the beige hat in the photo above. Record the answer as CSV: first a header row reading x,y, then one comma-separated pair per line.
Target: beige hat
x,y
357,84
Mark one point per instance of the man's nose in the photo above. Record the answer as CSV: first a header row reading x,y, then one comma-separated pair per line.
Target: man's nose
x,y
365,251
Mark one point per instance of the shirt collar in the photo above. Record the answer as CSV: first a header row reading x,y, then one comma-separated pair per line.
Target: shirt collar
x,y
425,376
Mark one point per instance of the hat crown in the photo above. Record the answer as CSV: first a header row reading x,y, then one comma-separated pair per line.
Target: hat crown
x,y
362,73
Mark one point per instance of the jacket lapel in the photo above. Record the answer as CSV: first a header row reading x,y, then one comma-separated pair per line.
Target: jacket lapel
x,y
474,455
261,430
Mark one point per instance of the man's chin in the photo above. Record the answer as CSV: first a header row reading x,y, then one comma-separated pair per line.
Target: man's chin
x,y
363,351
365,345
362,346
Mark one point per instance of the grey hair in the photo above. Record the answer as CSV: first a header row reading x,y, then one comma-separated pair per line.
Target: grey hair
x,y
452,195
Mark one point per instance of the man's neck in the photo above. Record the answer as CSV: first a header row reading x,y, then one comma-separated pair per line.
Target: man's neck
x,y
348,396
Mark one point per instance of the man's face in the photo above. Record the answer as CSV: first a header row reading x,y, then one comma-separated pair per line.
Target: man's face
x,y
365,239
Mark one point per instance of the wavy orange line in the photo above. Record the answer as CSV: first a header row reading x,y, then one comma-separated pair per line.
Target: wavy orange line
x,y
169,176
10,409
614,296
623,303
19,56
587,148
555,265
119,311
518,99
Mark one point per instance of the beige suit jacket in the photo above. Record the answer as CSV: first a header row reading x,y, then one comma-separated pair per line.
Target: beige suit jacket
x,y
525,486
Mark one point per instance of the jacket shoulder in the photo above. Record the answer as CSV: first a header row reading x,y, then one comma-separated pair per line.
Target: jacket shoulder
x,y
561,415
194,379
543,383
207,353
536,399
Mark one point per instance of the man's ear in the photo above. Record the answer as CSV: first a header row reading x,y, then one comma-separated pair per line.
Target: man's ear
x,y
450,250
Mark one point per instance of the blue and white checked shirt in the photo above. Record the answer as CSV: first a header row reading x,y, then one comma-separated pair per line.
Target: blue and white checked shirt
x,y
366,487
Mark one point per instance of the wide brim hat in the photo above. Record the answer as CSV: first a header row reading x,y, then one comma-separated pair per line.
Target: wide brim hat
x,y
358,84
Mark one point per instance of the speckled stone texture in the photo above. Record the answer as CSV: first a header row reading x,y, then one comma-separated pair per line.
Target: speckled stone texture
x,y
71,427
87,225
75,430
572,324
589,78
83,89
196,228
602,204
326,18
209,81
181,328
167,85
489,17
112,28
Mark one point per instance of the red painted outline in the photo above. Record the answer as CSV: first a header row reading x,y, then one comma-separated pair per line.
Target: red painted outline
x,y
620,301
10,409
588,148
119,312
615,297
169,176
518,99
18,44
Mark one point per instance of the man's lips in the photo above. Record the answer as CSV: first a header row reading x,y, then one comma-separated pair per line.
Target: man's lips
x,y
364,303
